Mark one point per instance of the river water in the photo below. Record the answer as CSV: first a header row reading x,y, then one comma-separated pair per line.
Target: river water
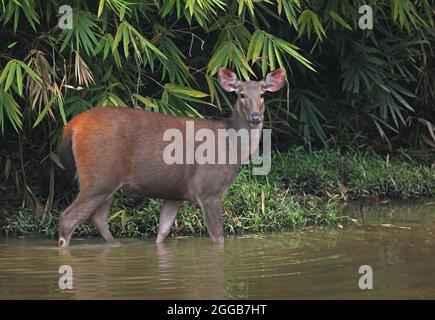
x,y
397,242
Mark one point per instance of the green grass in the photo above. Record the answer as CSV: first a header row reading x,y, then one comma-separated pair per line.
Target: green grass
x,y
355,175
249,207
302,189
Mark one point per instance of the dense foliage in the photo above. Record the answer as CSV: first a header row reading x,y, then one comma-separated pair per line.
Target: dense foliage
x,y
346,86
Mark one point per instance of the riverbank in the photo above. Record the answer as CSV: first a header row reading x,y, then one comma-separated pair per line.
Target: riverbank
x,y
301,189
354,176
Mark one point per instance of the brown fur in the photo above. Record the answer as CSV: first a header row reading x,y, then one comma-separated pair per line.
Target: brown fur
x,y
123,148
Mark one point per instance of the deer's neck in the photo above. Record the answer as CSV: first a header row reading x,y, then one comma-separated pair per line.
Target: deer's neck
x,y
238,122
238,119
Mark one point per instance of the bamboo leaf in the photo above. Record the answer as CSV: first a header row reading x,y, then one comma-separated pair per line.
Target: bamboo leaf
x,y
10,76
340,20
178,89
146,101
100,8
19,80
44,112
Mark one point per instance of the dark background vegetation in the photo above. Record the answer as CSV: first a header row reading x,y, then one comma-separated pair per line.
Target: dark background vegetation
x,y
360,91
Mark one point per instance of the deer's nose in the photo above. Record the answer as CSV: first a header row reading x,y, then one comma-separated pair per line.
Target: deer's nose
x,y
255,118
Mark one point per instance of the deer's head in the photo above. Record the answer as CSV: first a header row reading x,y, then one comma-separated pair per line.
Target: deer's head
x,y
251,93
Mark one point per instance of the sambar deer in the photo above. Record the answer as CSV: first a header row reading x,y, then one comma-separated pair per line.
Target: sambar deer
x,y
113,148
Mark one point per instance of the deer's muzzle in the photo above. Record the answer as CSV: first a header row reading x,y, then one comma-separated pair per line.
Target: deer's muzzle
x,y
255,118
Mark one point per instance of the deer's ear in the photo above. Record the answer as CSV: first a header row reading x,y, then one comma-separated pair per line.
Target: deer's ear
x,y
274,80
228,80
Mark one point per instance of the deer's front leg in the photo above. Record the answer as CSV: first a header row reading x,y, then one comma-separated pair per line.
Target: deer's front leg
x,y
168,213
212,212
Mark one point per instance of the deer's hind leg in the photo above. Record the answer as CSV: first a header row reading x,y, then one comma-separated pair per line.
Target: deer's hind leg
x,y
82,208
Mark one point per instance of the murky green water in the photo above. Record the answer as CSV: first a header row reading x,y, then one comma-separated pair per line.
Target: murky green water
x,y
313,263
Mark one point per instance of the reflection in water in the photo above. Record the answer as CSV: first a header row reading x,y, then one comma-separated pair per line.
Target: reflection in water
x,y
205,280
311,263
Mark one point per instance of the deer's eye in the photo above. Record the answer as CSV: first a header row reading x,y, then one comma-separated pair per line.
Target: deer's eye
x,y
242,96
262,95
